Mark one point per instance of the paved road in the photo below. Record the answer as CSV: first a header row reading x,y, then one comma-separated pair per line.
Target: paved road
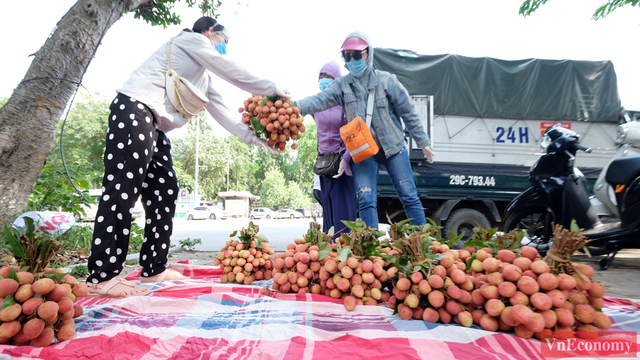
x,y
215,233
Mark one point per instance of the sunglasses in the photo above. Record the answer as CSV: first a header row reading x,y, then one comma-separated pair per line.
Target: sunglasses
x,y
347,55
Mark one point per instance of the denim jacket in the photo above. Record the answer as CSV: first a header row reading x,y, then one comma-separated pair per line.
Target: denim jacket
x,y
392,102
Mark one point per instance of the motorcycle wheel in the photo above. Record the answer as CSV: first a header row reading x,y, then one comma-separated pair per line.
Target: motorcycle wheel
x,y
532,220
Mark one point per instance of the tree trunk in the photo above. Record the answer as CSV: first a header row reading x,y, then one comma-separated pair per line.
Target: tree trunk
x,y
28,119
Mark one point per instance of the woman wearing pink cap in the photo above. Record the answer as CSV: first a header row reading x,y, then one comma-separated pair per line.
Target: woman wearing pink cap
x,y
392,107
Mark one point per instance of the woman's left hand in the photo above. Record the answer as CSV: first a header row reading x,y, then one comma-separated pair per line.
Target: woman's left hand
x,y
428,153
340,169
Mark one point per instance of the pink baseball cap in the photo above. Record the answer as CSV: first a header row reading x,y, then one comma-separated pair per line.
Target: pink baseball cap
x,y
354,43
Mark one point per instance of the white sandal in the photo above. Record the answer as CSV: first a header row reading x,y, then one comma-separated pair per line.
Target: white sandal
x,y
104,290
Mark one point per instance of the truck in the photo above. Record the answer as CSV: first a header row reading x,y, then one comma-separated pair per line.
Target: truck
x,y
485,118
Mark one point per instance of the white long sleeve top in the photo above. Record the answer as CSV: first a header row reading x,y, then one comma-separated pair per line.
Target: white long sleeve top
x,y
191,56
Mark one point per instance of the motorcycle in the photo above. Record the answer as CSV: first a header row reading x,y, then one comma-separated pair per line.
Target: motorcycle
x,y
560,194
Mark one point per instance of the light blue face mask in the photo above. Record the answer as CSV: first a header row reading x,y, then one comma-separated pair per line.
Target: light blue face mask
x,y
357,67
222,47
323,83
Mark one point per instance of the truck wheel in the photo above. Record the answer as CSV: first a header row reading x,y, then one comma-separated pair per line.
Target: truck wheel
x,y
464,220
532,220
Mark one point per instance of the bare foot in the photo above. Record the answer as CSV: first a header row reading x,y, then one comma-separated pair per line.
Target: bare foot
x,y
116,288
166,275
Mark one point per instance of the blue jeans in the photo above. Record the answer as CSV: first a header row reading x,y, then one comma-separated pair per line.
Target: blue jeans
x,y
365,174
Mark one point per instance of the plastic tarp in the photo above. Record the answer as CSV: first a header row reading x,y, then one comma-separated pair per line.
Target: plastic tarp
x,y
531,89
202,318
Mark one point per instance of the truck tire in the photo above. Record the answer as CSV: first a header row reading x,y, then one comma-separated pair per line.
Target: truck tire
x,y
532,220
465,220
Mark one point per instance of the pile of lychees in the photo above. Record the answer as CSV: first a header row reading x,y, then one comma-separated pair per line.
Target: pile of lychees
x,y
273,118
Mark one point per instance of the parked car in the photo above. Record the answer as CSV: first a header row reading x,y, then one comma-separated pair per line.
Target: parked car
x,y
288,214
207,212
259,213
305,212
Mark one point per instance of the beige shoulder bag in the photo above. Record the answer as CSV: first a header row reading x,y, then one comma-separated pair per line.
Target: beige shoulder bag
x,y
183,95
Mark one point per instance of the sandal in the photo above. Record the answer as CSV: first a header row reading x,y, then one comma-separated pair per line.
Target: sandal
x,y
111,285
162,276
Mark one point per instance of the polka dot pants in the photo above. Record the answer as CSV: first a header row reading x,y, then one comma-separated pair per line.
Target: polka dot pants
x,y
137,162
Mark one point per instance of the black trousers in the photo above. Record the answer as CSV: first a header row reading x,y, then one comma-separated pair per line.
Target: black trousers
x,y
137,163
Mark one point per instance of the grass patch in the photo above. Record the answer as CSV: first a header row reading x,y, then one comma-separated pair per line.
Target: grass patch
x,y
80,271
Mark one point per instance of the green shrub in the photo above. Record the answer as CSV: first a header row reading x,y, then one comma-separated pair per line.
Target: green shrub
x,y
189,244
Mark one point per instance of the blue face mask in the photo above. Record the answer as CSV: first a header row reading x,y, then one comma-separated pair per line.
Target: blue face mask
x,y
323,83
357,67
220,48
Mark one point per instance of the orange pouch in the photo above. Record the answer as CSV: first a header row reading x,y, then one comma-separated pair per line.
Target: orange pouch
x,y
358,140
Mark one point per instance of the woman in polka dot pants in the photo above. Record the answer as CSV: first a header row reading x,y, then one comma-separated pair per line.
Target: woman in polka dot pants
x,y
137,157
137,162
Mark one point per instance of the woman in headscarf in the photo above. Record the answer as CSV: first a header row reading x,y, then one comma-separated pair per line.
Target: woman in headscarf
x,y
338,192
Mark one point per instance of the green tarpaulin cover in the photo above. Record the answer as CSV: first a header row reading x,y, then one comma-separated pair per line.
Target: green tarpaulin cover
x,y
520,89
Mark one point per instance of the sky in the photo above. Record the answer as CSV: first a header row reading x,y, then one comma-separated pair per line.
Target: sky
x,y
288,41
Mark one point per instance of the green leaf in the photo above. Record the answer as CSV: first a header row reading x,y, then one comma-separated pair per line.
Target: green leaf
x,y
433,256
473,257
57,277
14,245
262,238
586,251
598,309
574,226
416,268
344,253
13,275
331,232
24,268
233,234
31,228
323,253
8,301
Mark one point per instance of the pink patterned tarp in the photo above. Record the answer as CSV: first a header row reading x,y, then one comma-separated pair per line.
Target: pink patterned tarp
x,y
201,318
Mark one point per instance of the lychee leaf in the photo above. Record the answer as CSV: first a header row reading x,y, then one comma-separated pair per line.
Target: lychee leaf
x,y
323,253
57,277
233,234
331,231
430,255
473,257
574,226
344,253
262,238
14,245
13,275
8,301
24,268
416,268
598,309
